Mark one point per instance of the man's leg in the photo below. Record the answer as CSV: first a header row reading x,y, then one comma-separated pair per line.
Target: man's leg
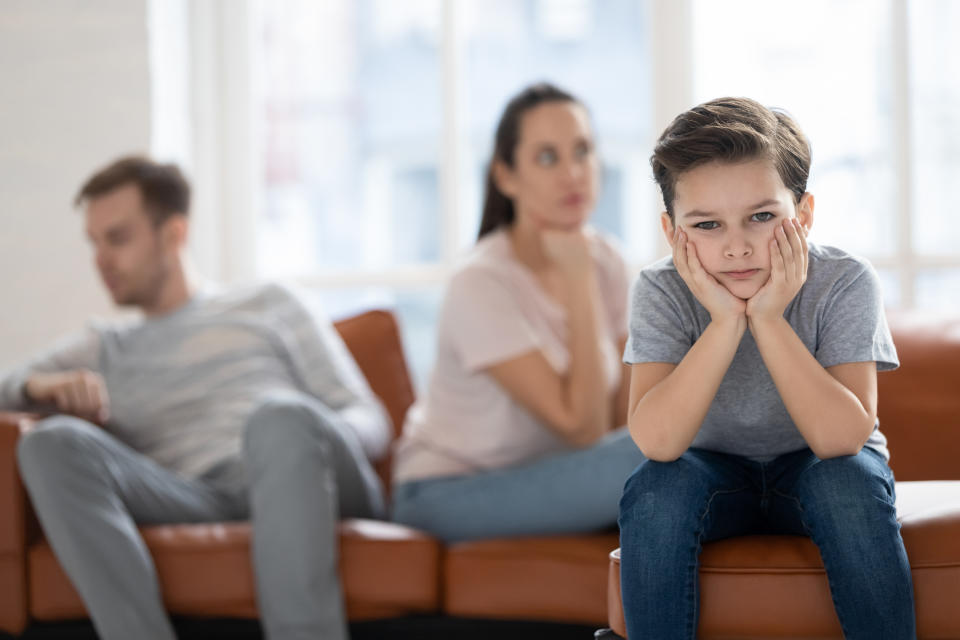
x,y
847,506
668,510
305,470
89,490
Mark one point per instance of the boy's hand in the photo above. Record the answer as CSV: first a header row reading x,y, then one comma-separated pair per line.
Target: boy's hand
x,y
716,298
79,392
789,257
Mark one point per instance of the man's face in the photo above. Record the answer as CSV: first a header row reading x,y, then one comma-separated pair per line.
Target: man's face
x,y
130,253
730,212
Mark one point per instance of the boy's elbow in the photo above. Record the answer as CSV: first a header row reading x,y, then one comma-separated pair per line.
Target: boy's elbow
x,y
842,444
656,449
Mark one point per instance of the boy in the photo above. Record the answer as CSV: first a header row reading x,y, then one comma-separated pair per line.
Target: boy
x,y
753,382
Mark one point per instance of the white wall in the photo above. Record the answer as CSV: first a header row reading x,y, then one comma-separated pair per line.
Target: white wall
x,y
74,93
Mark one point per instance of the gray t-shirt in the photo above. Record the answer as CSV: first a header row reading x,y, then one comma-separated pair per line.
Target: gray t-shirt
x,y
182,385
838,314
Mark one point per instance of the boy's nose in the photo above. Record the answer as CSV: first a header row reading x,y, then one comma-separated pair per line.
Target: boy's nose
x,y
738,249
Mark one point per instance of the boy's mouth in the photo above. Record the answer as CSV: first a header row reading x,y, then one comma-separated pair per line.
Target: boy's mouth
x,y
741,275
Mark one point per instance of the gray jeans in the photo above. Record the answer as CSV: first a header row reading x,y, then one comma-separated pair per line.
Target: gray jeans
x,y
301,470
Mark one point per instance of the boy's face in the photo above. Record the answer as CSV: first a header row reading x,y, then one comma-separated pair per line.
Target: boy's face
x,y
729,212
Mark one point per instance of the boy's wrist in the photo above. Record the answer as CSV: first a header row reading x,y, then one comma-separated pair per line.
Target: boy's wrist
x,y
734,324
762,324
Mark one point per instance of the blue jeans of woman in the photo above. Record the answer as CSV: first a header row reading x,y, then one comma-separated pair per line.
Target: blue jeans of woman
x,y
844,504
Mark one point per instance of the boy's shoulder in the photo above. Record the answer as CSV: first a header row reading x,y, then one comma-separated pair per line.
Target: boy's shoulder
x,y
828,265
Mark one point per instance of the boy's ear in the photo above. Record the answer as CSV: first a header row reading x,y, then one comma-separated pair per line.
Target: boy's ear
x,y
504,179
805,210
668,226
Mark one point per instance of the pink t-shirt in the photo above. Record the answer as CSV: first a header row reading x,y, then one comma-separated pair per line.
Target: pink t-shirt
x,y
495,310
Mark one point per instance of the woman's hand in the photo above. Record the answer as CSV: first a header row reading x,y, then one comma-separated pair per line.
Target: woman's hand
x,y
568,250
716,298
789,258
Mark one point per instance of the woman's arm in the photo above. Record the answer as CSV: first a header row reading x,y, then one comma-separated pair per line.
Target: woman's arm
x,y
576,405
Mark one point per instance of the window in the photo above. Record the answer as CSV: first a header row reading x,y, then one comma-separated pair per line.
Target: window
x,y
375,119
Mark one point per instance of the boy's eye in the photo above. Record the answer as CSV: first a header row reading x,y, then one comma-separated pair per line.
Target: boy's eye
x,y
706,226
763,216
582,151
546,157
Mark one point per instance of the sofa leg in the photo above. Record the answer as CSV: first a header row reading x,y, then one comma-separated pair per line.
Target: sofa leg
x,y
606,634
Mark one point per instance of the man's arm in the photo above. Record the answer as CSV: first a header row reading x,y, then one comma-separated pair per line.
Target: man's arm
x,y
328,372
63,378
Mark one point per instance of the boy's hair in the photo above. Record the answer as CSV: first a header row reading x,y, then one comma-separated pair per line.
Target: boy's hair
x,y
731,130
164,189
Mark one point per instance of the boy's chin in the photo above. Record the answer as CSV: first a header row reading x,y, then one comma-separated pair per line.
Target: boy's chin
x,y
742,290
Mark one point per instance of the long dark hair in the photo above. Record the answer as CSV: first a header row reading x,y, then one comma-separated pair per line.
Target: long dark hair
x,y
498,208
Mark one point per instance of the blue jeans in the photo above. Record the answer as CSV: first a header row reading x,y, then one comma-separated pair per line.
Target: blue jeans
x,y
561,493
845,505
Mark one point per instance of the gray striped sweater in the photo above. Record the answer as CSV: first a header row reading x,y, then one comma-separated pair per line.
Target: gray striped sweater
x,y
182,385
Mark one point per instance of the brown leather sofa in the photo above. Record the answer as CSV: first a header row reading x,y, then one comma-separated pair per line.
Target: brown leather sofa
x,y
391,571
775,586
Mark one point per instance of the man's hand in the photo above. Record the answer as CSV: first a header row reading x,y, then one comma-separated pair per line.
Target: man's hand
x,y
789,257
80,392
716,298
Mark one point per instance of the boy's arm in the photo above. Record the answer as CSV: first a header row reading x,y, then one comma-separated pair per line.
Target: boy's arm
x,y
835,409
668,402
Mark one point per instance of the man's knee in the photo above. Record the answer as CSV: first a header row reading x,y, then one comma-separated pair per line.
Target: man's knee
x,y
52,444
51,439
284,421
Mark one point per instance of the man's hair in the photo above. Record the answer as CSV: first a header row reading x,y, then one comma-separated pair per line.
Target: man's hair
x,y
731,130
164,189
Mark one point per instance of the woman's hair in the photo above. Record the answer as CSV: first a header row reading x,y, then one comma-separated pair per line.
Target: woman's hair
x,y
498,208
731,130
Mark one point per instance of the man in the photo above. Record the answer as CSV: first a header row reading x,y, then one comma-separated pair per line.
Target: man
x,y
212,407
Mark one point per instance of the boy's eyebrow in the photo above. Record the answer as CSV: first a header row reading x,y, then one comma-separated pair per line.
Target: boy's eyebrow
x,y
696,213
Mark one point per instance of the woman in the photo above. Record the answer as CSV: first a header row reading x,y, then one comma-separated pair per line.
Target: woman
x,y
515,434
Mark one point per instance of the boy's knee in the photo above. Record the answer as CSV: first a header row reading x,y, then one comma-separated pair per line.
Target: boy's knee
x,y
848,489
661,488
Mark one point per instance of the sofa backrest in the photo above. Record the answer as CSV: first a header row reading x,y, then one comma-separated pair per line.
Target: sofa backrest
x,y
374,340
919,403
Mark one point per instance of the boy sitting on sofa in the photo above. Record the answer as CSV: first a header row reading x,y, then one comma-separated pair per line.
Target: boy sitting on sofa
x,y
213,407
753,393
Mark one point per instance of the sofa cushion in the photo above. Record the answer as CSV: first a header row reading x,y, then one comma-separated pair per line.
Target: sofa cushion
x,y
557,578
387,570
775,586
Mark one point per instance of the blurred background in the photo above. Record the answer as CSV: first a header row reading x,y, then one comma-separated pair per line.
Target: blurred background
x,y
341,144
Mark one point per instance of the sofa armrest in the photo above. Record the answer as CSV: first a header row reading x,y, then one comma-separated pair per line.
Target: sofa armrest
x,y
14,520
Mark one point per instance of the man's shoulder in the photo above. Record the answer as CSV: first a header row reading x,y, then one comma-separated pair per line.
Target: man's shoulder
x,y
260,296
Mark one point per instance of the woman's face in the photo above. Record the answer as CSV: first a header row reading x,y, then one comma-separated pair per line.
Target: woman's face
x,y
553,183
